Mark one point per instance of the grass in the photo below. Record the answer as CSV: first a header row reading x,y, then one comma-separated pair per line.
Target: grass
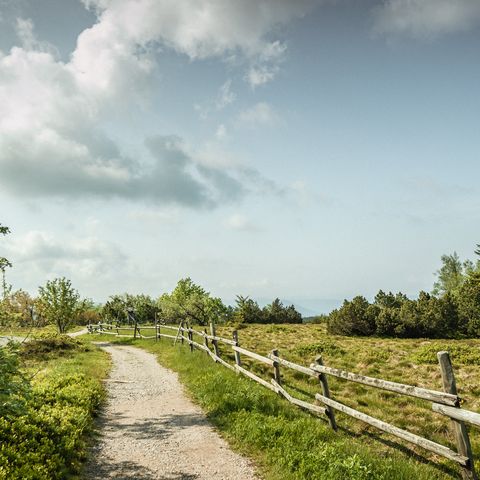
x,y
35,331
287,443
47,437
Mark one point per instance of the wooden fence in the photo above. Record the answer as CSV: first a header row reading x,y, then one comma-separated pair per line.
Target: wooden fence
x,y
446,403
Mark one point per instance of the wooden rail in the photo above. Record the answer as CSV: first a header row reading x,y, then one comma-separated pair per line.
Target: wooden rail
x,y
446,403
458,414
398,432
431,395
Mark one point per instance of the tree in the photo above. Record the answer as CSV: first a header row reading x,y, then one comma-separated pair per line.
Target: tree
x,y
247,310
4,264
357,317
469,306
276,312
115,309
60,303
450,276
191,302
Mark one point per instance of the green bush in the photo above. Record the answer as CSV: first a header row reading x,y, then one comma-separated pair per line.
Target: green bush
x,y
460,354
43,422
326,346
13,385
48,345
448,316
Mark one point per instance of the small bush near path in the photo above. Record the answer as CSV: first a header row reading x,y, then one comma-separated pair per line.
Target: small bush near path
x,y
56,391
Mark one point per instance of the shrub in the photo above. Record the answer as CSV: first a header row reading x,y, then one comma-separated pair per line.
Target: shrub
x,y
318,348
46,440
48,345
461,354
353,318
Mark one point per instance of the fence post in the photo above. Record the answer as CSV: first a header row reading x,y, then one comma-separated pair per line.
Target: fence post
x,y
190,337
459,428
205,339
276,368
181,331
214,342
238,361
326,393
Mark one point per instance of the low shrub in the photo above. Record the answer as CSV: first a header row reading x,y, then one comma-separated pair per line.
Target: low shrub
x,y
46,345
43,421
460,354
310,349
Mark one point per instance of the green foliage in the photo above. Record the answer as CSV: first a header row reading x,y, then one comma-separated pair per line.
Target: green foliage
x,y
60,303
45,346
248,311
13,386
353,318
450,276
191,302
461,354
43,422
16,310
428,316
46,441
325,346
4,264
276,312
115,309
468,302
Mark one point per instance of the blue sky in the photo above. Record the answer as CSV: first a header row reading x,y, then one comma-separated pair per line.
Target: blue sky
x,y
303,149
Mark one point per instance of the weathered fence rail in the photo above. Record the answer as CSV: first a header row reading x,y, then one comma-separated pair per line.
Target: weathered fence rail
x,y
446,403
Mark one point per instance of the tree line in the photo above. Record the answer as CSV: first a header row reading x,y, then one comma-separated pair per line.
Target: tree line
x,y
451,310
191,302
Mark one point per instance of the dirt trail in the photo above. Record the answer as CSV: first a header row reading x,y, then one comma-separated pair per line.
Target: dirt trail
x,y
151,430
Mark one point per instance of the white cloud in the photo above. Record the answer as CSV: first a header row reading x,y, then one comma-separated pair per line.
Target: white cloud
x,y
259,114
42,252
257,76
52,112
24,31
426,18
240,222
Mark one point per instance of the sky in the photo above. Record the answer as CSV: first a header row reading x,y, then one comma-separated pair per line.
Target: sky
x,y
303,149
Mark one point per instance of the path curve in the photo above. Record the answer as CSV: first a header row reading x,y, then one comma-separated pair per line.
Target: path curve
x,y
150,430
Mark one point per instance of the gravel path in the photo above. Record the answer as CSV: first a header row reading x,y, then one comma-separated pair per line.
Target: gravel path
x,y
151,430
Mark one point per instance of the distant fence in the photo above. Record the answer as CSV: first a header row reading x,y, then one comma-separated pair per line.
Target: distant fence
x,y
446,403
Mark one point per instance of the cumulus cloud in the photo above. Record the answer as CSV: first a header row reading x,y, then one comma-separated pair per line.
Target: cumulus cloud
x,y
203,28
52,112
42,252
426,18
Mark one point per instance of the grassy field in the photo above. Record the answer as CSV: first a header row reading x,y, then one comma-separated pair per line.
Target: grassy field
x,y
289,444
44,435
413,362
